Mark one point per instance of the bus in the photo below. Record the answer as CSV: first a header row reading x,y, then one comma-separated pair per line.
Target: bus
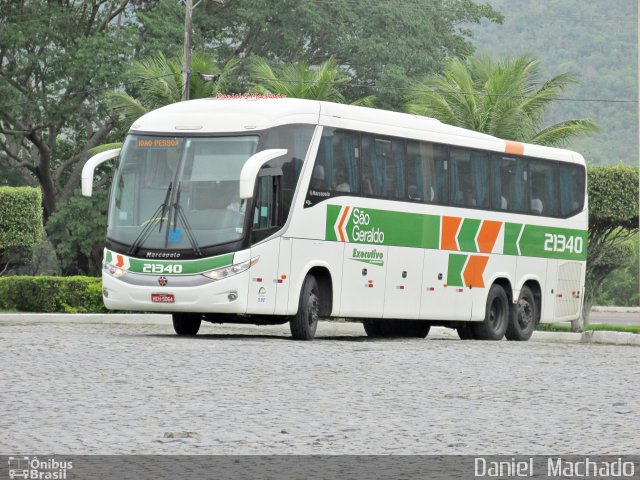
x,y
268,211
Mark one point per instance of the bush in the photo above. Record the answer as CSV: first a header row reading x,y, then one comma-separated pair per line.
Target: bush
x,y
52,294
20,223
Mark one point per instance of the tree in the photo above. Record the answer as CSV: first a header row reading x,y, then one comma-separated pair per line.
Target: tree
x,y
300,80
77,230
157,81
367,40
613,219
503,98
55,60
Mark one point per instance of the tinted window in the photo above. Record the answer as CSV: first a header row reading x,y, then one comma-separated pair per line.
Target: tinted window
x,y
427,172
383,164
508,184
571,189
542,183
469,178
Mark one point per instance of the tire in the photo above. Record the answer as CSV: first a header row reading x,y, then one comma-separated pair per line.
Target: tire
x,y
303,325
524,317
465,332
396,328
186,323
496,318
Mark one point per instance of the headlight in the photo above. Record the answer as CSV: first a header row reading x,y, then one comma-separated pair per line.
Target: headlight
x,y
113,270
231,270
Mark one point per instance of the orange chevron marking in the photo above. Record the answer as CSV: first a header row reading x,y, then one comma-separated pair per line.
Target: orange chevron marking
x,y
120,261
341,224
472,273
449,229
515,148
488,234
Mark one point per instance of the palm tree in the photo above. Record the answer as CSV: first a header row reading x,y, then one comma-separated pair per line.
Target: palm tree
x,y
502,98
301,80
158,82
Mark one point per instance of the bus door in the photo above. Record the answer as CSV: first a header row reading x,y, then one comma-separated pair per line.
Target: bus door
x,y
444,293
403,282
264,278
363,280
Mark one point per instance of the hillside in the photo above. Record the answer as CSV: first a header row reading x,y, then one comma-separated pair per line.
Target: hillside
x,y
596,40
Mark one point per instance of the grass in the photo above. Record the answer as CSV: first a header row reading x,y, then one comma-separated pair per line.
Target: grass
x,y
560,327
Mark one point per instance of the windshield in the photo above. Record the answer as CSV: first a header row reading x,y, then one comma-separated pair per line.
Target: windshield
x,y
177,192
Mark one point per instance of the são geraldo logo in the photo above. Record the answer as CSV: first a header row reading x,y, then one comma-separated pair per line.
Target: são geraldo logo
x,y
38,468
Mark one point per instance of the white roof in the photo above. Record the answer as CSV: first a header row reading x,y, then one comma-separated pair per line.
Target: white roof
x,y
215,115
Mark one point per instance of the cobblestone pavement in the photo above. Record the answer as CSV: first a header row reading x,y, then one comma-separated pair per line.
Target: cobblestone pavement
x,y
89,387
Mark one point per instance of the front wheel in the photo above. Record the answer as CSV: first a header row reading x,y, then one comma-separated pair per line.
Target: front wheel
x,y
303,325
186,323
523,320
496,317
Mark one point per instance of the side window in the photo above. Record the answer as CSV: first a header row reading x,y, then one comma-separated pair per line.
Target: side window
x,y
542,188
427,172
296,139
382,167
469,178
344,174
572,188
508,184
265,208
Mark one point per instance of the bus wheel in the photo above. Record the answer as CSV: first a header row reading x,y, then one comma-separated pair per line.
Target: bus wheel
x,y
496,318
523,320
186,323
303,325
465,332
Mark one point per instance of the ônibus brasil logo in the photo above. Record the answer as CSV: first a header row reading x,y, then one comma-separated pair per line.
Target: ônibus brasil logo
x,y
38,468
354,225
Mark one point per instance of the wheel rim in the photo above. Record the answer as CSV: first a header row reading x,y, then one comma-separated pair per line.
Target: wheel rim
x,y
525,313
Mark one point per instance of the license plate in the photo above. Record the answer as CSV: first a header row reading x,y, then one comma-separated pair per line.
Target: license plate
x,y
162,298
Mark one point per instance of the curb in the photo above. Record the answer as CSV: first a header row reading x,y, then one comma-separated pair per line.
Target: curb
x,y
616,309
610,338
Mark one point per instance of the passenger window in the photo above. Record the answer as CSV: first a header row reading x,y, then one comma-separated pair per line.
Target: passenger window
x,y
571,189
542,193
383,167
508,184
469,178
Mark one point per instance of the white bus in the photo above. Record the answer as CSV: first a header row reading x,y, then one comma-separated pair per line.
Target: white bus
x,y
285,210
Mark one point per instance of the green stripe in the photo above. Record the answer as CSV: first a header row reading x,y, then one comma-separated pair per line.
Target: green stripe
x,y
454,270
511,233
467,235
187,267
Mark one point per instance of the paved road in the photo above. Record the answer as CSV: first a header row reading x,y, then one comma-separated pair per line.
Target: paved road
x,y
89,387
615,318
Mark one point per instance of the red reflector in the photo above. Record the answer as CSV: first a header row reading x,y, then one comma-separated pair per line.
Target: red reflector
x,y
401,287
279,281
371,285
431,289
259,280
459,290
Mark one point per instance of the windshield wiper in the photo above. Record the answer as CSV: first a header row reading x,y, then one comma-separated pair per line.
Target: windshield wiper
x,y
179,213
148,224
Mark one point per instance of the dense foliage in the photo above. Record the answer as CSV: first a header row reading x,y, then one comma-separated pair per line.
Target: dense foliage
x,y
613,219
51,294
20,224
77,230
597,41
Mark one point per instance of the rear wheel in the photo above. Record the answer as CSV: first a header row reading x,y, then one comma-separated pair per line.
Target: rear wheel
x,y
186,323
523,319
303,325
496,318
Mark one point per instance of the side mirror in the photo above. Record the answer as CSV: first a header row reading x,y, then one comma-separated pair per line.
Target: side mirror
x,y
251,168
90,166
